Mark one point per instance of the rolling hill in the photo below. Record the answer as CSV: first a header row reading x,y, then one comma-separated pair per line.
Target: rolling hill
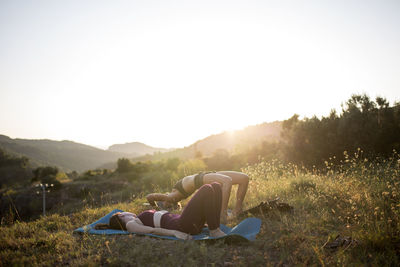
x,y
66,155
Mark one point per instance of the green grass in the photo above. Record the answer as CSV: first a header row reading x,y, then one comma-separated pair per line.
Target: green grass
x,y
358,198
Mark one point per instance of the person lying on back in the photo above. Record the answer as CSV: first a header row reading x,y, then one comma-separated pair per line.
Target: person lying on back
x,y
203,208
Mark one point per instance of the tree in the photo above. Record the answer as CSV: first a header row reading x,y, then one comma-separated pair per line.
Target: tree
x,y
172,164
47,175
124,165
363,124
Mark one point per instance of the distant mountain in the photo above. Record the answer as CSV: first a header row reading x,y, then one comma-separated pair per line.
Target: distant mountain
x,y
231,141
135,149
66,155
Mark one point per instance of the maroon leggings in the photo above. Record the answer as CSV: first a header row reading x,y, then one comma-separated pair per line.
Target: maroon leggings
x,y
204,207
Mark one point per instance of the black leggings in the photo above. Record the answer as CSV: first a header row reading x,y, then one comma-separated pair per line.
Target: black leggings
x,y
204,207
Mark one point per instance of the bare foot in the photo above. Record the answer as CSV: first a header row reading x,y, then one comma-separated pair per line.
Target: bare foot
x,y
217,233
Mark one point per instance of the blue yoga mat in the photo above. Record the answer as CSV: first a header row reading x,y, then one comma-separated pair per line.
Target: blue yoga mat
x,y
248,229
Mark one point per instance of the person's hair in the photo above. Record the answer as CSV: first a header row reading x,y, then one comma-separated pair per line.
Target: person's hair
x,y
115,223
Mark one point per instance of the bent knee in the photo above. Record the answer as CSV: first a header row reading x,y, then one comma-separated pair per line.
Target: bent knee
x,y
210,189
206,188
216,186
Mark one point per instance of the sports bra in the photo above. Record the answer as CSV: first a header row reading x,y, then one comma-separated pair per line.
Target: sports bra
x,y
198,182
178,186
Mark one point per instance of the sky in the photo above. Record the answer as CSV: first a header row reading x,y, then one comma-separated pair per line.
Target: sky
x,y
169,73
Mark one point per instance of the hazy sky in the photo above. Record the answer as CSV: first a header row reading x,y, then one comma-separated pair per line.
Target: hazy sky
x,y
168,73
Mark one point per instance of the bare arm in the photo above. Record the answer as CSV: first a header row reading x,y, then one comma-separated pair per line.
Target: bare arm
x,y
151,198
135,227
243,183
242,180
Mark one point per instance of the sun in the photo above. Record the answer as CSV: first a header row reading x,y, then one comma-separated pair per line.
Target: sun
x,y
231,132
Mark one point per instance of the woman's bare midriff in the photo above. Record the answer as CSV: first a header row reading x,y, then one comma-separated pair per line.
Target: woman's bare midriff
x,y
188,183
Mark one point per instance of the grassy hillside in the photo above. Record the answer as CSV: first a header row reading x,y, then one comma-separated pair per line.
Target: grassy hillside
x,y
66,155
359,198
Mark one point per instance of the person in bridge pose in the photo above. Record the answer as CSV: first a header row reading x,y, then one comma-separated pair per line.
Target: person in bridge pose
x,y
189,184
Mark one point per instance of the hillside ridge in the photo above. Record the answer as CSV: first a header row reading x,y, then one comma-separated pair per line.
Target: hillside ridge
x,y
136,148
69,155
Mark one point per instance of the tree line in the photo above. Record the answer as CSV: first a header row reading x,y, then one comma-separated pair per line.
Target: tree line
x,y
367,126
372,127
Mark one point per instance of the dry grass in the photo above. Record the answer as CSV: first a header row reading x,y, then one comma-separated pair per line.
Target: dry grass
x,y
358,198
